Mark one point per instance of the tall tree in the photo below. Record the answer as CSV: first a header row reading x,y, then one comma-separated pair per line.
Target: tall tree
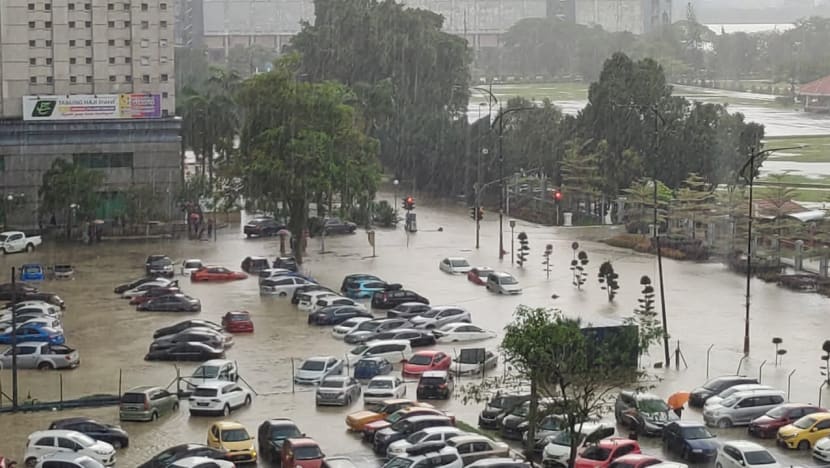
x,y
67,184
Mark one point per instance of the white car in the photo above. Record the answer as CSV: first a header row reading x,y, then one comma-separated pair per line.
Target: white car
x,y
214,370
821,451
340,331
68,460
315,369
457,332
469,363
191,265
42,443
429,434
503,283
327,301
384,387
218,398
558,450
439,316
48,322
308,299
269,273
201,462
393,351
141,290
453,265
432,455
31,307
282,286
744,454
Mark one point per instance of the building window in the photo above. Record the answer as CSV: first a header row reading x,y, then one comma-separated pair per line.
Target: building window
x,y
72,60
126,6
49,79
88,42
88,24
163,42
145,78
48,60
48,24
145,43
71,24
127,24
162,6
33,80
89,78
128,60
144,7
47,6
88,60
32,43
110,6
31,6
165,113
71,6
164,94
103,160
164,77
112,60
32,61
128,42
111,42
162,24
145,25
31,25
73,79
110,24
87,6
112,78
48,42
128,78
145,61
72,43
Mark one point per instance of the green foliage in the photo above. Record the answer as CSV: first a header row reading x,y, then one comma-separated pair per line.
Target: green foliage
x,y
66,183
608,279
693,203
524,249
645,317
780,227
384,214
580,274
143,204
639,213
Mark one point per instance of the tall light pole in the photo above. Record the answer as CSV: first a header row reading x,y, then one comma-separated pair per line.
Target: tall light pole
x,y
477,195
749,177
395,200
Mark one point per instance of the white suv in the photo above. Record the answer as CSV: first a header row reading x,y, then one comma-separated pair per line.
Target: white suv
x,y
428,455
42,443
439,316
218,397
309,299
67,460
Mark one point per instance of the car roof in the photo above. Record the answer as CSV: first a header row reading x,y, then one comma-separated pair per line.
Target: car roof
x,y
501,274
387,342
75,419
820,416
142,389
435,373
635,457
214,384
500,461
749,393
456,258
281,422
687,423
55,433
319,358
227,425
371,359
302,441
744,445
615,441
336,378
469,438
445,307
428,352
384,377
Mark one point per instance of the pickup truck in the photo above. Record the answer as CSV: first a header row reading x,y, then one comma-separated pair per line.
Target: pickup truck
x,y
16,241
37,355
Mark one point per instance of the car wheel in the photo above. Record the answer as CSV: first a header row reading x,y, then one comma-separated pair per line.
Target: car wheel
x,y
30,462
724,423
176,406
804,445
2,251
45,365
248,400
282,294
685,454
154,416
226,411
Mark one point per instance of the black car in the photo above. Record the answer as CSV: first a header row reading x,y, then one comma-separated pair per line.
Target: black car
x,y
7,291
408,310
642,412
173,454
49,298
548,428
109,433
184,325
253,265
698,396
333,315
159,265
288,263
390,299
171,303
133,284
353,278
337,226
435,385
690,440
295,297
499,406
403,428
271,435
417,338
263,227
193,335
186,352
513,424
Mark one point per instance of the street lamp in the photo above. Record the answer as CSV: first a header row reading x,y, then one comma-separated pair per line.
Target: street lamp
x,y
750,179
73,207
395,200
477,194
512,242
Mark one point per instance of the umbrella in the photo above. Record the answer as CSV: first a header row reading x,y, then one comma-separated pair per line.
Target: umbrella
x,y
678,399
284,232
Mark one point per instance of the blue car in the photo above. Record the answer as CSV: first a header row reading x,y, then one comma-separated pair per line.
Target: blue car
x,y
367,368
34,333
366,288
32,272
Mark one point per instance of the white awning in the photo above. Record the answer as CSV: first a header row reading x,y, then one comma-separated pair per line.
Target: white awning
x,y
807,216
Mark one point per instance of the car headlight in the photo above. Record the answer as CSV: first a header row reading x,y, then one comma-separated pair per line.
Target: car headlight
x,y
787,436
102,451
697,450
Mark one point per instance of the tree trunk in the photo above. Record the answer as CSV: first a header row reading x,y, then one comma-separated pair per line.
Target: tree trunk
x,y
532,418
297,222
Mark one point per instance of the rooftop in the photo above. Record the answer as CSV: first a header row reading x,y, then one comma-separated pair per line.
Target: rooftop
x,y
820,87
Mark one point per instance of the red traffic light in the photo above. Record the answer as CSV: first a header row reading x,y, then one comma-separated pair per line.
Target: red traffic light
x,y
557,195
409,200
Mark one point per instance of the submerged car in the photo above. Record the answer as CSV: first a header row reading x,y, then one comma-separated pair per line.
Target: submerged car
x,y
337,390
315,369
191,265
238,321
478,275
186,352
234,439
382,388
253,265
185,324
216,273
371,367
171,303
171,455
159,265
645,413
390,299
454,265
263,226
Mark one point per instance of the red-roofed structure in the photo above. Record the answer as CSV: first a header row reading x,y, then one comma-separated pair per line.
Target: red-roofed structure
x,y
815,96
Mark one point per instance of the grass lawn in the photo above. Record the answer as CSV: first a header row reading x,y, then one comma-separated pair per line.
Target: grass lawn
x,y
817,148
565,91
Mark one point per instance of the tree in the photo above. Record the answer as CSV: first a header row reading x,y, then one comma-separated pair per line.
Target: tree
x,y
645,317
578,264
581,178
608,279
68,184
780,227
639,213
524,249
142,204
693,203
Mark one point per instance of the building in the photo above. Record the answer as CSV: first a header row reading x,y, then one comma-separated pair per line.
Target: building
x,y
815,96
90,81
635,16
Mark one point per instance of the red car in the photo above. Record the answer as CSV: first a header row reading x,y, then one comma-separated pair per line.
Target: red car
x,y
238,321
301,453
478,275
155,292
214,273
637,460
427,360
767,426
605,451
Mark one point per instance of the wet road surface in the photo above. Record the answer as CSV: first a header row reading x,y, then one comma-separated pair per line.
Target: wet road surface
x,y
705,307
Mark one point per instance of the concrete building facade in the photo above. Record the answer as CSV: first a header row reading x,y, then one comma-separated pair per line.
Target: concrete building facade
x,y
635,16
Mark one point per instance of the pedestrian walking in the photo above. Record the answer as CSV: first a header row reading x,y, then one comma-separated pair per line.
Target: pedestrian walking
x,y
210,228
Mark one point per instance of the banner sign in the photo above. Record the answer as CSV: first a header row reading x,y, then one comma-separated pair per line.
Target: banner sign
x,y
92,107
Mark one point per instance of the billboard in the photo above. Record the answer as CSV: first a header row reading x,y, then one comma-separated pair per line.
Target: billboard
x,y
92,107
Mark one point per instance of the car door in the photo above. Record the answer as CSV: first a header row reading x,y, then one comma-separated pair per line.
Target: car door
x,y
213,437
67,445
26,356
43,446
238,395
163,400
354,388
821,429
733,457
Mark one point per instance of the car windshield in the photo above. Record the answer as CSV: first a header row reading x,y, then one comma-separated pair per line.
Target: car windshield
x,y
396,416
420,360
729,402
484,273
551,424
192,264
778,412
313,365
331,384
83,439
696,433
133,398
204,392
308,452
507,280
359,350
432,380
563,438
368,326
398,462
380,384
206,372
235,435
282,433
521,411
459,263
596,452
805,422
430,313
366,364
759,457
653,405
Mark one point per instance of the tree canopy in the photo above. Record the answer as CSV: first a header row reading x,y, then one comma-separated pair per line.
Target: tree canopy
x,y
67,183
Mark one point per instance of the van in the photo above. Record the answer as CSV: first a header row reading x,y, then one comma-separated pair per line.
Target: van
x,y
503,283
742,407
215,370
146,404
309,299
391,350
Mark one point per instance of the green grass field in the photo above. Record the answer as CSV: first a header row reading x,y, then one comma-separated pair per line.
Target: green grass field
x,y
565,91
817,149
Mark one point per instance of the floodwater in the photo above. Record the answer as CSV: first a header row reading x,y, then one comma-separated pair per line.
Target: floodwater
x,y
704,308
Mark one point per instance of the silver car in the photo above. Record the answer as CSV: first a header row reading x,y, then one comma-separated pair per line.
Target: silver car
x,y
202,335
742,407
44,356
338,390
439,316
315,369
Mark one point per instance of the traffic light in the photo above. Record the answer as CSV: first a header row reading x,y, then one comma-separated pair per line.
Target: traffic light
x,y
408,203
557,195
480,213
524,249
473,212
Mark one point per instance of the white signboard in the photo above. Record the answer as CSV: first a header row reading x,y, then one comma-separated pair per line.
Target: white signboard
x,y
92,107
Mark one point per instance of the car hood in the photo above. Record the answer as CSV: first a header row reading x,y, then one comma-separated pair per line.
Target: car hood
x,y
701,391
238,446
413,368
703,444
308,374
364,416
789,430
100,446
513,421
490,411
556,450
378,425
659,418
764,420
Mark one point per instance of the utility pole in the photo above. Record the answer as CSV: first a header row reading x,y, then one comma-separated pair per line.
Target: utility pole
x,y
14,342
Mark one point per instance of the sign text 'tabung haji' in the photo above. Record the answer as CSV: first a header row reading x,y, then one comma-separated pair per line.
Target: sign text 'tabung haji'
x,y
92,107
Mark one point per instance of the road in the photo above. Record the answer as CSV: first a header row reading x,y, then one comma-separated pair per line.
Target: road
x,y
705,308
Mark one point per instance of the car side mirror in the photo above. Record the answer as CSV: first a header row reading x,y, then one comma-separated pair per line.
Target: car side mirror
x,y
743,463
813,429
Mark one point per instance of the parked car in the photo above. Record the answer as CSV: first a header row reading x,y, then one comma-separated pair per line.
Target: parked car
x,y
382,388
431,454
370,429
17,241
69,459
340,331
349,281
48,297
339,390
404,427
214,370
315,369
478,275
408,309
219,398
497,407
767,426
41,355
146,404
202,462
644,413
25,333
367,331
505,462
288,263
435,385
439,316
234,439
159,265
732,390
430,434
42,443
190,351
282,286
193,335
742,407
8,291
690,440
216,273
424,361
635,460
269,273
503,283
35,321
302,453
300,290
32,272
699,395
390,299
462,332
185,324
253,265
272,433
453,265
179,452
804,433
417,338
133,284
366,288
171,303
514,424
337,226
605,451
156,291
549,427
109,433
357,421
28,307
821,450
309,299
475,447
744,454
62,271
392,350
327,301
238,321
142,288
335,314
558,451
191,265
371,367
264,226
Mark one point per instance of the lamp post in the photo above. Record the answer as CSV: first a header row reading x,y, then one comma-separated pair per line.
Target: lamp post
x,y
395,200
512,242
477,195
749,177
73,207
